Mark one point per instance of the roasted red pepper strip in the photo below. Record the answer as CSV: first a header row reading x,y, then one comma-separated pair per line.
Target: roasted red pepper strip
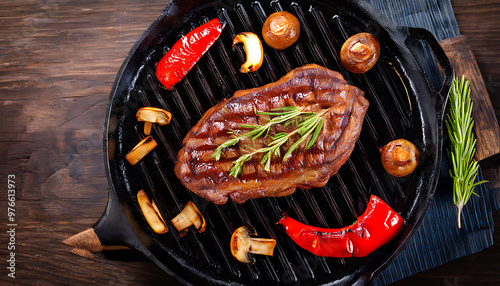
x,y
184,54
374,228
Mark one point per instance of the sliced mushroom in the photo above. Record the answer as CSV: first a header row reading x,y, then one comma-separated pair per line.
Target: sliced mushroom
x,y
140,150
399,157
152,115
281,30
360,52
189,216
151,213
253,50
244,244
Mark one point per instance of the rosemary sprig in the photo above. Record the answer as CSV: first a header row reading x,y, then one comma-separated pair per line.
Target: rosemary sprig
x,y
459,124
308,122
287,113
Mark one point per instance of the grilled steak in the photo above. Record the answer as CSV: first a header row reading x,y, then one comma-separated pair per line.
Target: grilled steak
x,y
309,88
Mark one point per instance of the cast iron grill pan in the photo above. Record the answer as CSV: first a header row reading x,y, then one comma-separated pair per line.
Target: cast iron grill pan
x,y
205,258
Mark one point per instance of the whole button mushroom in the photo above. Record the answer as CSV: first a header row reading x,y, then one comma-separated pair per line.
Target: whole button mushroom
x,y
360,52
281,30
399,157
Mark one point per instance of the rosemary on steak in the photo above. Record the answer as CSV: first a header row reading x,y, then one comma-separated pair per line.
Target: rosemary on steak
x,y
307,123
459,123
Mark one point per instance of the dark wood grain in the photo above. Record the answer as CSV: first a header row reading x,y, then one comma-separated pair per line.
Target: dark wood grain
x,y
486,127
478,21
58,61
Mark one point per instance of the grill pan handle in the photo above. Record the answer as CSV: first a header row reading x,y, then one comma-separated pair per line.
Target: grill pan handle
x,y
442,59
112,231
113,228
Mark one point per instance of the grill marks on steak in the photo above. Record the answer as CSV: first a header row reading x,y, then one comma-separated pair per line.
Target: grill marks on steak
x,y
309,88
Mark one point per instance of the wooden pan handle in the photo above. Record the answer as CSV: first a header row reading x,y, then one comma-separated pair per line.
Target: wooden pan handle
x,y
111,232
85,243
486,127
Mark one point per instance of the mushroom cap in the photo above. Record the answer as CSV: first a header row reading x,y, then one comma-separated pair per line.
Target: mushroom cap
x,y
153,115
240,244
360,52
281,30
399,157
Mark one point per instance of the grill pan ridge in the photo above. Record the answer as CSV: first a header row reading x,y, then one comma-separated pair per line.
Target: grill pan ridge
x,y
204,258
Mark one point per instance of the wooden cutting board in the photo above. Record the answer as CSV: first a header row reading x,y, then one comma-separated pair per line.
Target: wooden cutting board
x,y
486,125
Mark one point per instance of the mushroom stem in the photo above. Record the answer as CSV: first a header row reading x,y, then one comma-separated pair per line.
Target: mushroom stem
x,y
189,216
263,246
278,25
400,155
147,127
140,150
361,52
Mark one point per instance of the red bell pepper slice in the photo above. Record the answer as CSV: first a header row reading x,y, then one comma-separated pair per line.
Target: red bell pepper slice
x,y
186,52
374,228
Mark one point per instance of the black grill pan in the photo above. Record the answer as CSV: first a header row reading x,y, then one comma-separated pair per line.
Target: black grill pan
x,y
403,104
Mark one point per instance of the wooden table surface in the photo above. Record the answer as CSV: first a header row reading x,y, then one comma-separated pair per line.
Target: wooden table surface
x,y
58,60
